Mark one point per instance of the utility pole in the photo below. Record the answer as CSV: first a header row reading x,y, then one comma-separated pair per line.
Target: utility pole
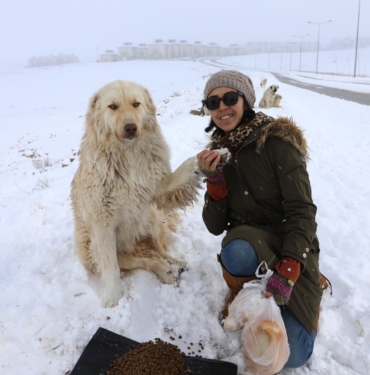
x,y
281,57
291,49
358,25
300,50
318,42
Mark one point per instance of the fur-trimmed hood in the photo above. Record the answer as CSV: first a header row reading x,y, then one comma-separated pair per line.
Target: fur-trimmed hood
x,y
286,129
258,130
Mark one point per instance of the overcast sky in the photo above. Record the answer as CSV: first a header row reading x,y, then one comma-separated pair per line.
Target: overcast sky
x,y
42,27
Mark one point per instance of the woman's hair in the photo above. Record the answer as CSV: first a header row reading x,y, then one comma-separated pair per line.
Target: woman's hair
x,y
248,115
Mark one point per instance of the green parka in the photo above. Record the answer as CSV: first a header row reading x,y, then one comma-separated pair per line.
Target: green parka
x,y
279,220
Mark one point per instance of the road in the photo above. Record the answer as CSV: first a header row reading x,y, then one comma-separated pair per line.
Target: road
x,y
353,96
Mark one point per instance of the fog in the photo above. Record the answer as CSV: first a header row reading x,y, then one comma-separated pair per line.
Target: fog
x,y
86,28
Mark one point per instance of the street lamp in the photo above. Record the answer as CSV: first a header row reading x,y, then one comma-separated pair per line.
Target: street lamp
x,y
318,41
281,56
255,54
358,24
300,50
291,49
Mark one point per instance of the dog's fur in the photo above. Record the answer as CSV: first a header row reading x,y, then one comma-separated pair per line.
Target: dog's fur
x,y
263,82
268,97
277,100
124,193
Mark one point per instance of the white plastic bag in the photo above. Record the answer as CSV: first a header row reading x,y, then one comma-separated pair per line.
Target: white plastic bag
x,y
264,340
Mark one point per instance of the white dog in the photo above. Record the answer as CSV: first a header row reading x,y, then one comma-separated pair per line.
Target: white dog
x,y
277,100
268,97
124,193
263,82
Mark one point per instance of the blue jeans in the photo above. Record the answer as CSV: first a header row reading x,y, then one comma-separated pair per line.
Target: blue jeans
x,y
240,259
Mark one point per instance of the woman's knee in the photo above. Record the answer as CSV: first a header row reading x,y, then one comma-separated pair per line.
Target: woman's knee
x,y
239,258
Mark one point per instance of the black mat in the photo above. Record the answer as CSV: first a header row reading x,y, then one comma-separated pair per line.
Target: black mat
x,y
102,349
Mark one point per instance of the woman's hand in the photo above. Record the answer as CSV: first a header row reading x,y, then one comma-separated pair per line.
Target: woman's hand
x,y
208,160
267,294
280,287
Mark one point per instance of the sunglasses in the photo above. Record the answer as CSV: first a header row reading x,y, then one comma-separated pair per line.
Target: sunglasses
x,y
230,98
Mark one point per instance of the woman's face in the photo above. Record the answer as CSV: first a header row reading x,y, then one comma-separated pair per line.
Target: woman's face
x,y
226,118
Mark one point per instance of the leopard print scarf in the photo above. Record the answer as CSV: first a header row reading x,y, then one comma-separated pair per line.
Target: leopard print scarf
x,y
233,140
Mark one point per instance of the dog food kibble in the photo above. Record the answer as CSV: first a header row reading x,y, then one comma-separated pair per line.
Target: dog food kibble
x,y
150,358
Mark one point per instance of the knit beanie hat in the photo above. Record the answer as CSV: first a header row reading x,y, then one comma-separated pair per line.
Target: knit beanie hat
x,y
235,80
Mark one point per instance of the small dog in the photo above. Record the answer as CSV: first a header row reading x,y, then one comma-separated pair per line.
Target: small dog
x,y
268,97
124,194
277,100
202,112
263,82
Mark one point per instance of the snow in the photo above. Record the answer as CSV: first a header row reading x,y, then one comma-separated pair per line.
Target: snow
x,y
50,305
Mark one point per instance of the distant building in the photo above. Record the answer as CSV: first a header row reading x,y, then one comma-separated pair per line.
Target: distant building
x,y
126,52
157,50
213,49
198,49
108,56
185,49
142,51
130,52
172,49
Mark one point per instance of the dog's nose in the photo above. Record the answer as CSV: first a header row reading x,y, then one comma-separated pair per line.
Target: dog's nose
x,y
130,130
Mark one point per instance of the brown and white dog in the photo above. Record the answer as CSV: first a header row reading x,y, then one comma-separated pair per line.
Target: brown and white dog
x,y
268,97
277,100
124,194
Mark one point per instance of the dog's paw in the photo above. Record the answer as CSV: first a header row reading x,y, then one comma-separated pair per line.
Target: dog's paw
x,y
183,269
112,299
172,272
190,167
112,294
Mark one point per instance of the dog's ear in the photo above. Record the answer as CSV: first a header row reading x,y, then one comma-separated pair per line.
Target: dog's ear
x,y
93,102
93,106
149,103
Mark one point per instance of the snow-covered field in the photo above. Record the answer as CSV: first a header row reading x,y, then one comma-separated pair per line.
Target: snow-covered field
x,y
50,305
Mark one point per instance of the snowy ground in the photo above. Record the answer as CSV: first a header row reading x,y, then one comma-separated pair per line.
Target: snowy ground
x,y
49,304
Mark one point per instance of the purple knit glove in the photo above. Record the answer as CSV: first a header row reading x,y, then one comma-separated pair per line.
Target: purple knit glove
x,y
215,177
280,287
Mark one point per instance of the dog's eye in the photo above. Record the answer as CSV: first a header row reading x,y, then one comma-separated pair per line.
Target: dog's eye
x,y
136,104
112,106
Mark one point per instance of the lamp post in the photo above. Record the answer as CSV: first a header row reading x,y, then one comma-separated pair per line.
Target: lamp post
x,y
271,49
255,54
291,49
281,56
358,25
300,50
318,41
